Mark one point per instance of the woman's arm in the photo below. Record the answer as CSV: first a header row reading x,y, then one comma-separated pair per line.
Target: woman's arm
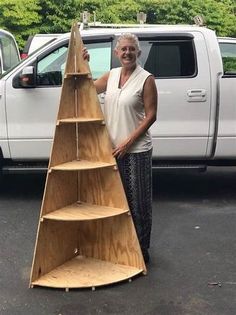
x,y
150,105
101,83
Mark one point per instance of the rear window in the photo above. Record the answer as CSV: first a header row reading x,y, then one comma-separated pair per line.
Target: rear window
x,y
228,53
167,58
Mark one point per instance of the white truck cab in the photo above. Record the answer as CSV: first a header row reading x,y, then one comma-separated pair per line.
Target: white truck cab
x,y
196,120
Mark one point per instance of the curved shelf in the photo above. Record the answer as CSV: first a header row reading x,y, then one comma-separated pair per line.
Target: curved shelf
x,y
77,74
81,165
80,120
83,212
85,272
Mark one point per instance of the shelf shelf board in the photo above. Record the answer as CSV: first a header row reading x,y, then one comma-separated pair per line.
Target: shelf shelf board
x,y
81,165
84,212
85,272
77,74
80,120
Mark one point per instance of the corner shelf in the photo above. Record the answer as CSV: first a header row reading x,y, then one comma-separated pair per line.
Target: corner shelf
x,y
78,74
80,120
81,211
86,236
81,165
86,272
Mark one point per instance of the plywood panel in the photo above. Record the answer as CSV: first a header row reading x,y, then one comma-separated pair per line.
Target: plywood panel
x,y
97,146
57,243
67,107
61,190
102,187
88,103
65,145
112,239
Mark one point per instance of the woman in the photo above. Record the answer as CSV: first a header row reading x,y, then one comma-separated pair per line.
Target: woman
x,y
130,109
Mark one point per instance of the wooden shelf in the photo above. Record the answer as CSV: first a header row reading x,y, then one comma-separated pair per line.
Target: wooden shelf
x,y
74,235
81,165
77,74
84,272
83,212
80,120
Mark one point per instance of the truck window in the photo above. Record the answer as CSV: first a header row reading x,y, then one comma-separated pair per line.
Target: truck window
x,y
50,69
169,58
100,58
228,53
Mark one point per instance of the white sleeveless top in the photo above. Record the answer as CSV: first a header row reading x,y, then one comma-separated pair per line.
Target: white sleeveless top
x,y
124,108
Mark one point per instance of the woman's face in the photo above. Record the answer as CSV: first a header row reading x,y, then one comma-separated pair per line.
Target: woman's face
x,y
127,53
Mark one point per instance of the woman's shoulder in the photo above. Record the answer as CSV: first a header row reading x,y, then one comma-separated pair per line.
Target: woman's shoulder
x,y
115,70
144,72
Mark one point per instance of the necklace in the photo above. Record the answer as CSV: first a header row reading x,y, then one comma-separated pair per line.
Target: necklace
x,y
123,79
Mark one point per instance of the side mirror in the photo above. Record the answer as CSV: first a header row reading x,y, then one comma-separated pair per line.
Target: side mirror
x,y
27,77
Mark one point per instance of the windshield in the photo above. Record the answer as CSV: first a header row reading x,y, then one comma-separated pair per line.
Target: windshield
x,y
10,69
23,60
9,54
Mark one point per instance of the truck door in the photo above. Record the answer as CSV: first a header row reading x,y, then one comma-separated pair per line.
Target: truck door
x,y
31,112
180,66
226,138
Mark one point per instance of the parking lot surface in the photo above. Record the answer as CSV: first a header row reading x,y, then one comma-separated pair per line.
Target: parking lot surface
x,y
192,269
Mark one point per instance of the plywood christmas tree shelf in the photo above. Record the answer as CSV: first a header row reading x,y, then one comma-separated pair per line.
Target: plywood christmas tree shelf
x,y
86,236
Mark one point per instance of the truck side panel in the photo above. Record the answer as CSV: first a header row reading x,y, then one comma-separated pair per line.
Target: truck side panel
x,y
4,147
226,137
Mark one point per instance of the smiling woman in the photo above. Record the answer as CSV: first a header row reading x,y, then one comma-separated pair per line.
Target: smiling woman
x,y
129,110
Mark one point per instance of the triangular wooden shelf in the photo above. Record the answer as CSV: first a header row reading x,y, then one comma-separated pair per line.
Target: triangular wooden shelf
x,y
86,236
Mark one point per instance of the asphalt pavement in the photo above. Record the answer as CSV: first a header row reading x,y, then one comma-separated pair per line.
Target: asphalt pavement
x,y
192,270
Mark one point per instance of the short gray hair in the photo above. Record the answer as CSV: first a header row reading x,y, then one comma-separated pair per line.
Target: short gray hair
x,y
128,36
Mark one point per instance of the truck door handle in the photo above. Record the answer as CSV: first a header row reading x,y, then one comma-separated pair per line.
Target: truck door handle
x,y
198,95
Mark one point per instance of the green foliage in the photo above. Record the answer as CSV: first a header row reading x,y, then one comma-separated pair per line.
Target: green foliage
x,y
58,15
20,17
218,15
112,11
229,64
24,18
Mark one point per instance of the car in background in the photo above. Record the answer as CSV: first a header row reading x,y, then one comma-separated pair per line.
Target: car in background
x,y
36,41
9,51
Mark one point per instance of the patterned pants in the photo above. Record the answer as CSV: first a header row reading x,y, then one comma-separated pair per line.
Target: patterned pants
x,y
136,174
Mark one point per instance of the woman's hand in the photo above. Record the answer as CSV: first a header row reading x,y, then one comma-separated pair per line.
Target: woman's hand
x,y
85,54
122,149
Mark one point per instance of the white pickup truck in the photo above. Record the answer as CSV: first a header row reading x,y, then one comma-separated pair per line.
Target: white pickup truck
x,y
196,80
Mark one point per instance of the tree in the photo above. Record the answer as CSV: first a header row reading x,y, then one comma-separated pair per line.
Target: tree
x,y
20,17
58,15
111,11
24,18
218,15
